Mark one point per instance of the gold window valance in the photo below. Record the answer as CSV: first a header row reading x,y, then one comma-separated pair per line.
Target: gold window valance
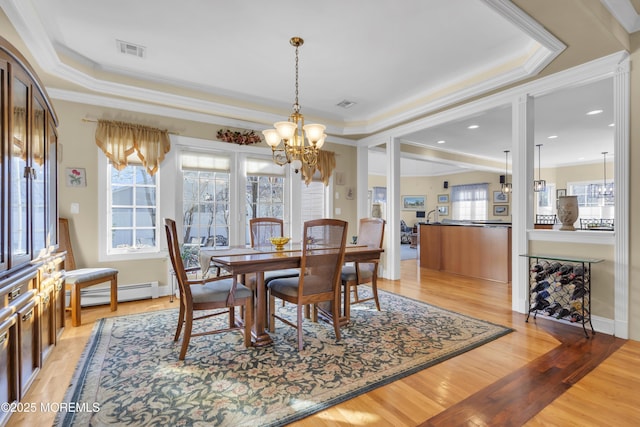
x,y
325,166
118,140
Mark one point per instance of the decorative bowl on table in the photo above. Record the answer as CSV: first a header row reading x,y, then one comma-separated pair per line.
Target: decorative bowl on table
x,y
279,242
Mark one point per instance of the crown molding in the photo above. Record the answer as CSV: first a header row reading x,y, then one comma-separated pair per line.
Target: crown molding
x,y
625,13
28,26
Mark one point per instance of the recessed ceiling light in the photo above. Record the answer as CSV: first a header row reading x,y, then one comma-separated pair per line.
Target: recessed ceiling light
x,y
552,136
442,141
611,125
594,112
473,127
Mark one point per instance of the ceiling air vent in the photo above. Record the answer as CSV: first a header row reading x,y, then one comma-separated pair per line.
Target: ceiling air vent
x,y
127,48
346,104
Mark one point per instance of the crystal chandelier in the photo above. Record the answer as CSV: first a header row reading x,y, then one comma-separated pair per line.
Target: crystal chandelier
x,y
602,191
506,185
301,143
539,184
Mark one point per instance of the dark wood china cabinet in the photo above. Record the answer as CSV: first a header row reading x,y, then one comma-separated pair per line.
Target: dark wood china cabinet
x,y
32,296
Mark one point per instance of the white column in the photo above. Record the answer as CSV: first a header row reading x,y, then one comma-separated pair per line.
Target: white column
x,y
392,231
621,108
362,178
522,199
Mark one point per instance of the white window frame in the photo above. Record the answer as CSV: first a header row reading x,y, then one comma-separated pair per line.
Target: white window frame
x,y
105,254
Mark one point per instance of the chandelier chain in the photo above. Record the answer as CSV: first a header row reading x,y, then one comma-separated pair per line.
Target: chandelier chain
x,y
292,141
296,106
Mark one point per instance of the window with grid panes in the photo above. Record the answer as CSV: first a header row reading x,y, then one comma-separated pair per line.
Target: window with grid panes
x,y
133,208
264,191
205,203
593,205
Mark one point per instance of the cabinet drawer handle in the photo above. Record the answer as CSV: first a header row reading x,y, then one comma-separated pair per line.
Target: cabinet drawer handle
x,y
3,338
14,294
27,316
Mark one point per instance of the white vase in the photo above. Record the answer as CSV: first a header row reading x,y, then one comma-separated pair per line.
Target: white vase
x,y
568,211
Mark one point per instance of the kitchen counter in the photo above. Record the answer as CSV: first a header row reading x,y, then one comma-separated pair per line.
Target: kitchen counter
x,y
476,249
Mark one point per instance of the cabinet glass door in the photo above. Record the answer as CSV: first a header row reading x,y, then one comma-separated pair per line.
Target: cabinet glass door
x,y
51,179
38,182
18,201
4,229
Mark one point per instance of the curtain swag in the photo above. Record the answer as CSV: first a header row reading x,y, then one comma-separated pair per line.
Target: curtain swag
x,y
118,140
325,166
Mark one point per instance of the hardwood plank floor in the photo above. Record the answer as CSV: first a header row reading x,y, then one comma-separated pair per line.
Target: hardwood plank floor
x,y
543,374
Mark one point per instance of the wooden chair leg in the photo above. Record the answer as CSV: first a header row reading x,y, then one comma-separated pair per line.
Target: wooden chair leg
x,y
248,321
114,294
300,343
347,300
180,320
374,288
336,317
271,314
232,317
187,334
75,305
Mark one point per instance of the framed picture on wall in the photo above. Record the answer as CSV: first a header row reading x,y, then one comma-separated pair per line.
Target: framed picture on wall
x,y
500,210
500,197
76,177
413,203
443,210
443,198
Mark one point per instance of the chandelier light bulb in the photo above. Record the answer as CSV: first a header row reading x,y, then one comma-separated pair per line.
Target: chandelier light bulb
x,y
286,130
271,137
314,132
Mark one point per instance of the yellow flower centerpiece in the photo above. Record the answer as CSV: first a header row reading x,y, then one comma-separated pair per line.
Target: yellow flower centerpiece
x,y
279,242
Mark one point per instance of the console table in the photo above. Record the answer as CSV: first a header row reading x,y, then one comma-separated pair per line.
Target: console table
x,y
560,287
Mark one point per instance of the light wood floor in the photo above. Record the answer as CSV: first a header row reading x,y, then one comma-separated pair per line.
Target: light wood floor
x,y
540,375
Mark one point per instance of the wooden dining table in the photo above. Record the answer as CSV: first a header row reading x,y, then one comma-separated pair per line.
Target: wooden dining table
x,y
240,261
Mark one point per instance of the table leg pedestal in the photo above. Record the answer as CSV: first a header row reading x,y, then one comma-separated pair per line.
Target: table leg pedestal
x,y
260,336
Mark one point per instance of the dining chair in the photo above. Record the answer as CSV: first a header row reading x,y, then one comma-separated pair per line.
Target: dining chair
x,y
77,279
261,230
322,256
210,293
371,233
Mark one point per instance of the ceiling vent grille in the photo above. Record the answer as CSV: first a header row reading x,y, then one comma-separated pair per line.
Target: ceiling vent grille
x,y
127,48
346,104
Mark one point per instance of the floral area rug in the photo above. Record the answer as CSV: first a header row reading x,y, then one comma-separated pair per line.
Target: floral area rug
x,y
130,375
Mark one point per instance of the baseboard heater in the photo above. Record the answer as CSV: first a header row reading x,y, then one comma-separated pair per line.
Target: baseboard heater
x,y
102,295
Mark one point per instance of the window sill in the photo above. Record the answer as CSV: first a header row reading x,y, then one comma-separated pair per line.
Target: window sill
x,y
132,256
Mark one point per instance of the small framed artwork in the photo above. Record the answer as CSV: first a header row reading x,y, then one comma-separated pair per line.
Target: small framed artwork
x,y
500,210
443,210
443,198
339,178
349,195
561,192
500,197
413,203
76,177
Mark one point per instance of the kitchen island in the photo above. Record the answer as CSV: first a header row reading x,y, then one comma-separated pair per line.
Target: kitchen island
x,y
476,249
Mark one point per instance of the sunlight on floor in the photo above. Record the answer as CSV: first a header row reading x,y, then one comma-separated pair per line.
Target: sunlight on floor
x,y
356,418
